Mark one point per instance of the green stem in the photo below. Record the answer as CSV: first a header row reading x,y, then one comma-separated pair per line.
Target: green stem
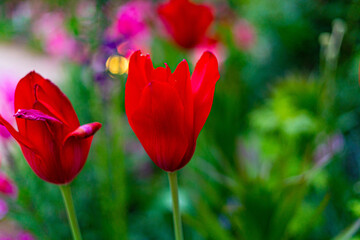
x,y
176,208
69,204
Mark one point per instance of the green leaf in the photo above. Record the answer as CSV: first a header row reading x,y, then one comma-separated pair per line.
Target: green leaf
x,y
349,232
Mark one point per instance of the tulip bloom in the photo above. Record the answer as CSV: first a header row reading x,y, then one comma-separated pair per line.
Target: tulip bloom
x,y
168,110
186,22
50,136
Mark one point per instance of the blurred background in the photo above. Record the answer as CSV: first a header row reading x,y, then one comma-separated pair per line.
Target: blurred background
x,y
279,156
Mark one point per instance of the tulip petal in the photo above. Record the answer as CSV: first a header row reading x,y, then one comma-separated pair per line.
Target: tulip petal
x,y
35,115
45,106
182,83
22,140
203,81
42,122
76,149
181,76
47,168
33,89
45,133
39,156
84,131
140,73
158,123
161,74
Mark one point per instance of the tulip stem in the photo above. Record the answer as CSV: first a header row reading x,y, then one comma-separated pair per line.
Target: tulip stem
x,y
176,208
70,209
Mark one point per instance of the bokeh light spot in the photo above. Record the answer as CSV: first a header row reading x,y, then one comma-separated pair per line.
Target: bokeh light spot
x,y
117,65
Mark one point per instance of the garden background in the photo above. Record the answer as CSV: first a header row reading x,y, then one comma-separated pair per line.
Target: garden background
x,y
278,158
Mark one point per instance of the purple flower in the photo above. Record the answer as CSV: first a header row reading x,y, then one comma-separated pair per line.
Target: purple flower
x,y
3,208
327,149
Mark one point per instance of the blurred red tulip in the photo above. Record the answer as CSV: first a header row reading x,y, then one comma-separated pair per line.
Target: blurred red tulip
x,y
50,136
168,110
186,22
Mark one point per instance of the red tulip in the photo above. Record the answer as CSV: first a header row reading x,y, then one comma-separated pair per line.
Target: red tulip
x,y
50,136
186,22
168,110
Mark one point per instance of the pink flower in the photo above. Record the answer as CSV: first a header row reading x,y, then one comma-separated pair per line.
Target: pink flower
x,y
7,89
25,236
56,40
131,18
130,27
5,237
60,44
244,35
7,187
3,208
16,236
